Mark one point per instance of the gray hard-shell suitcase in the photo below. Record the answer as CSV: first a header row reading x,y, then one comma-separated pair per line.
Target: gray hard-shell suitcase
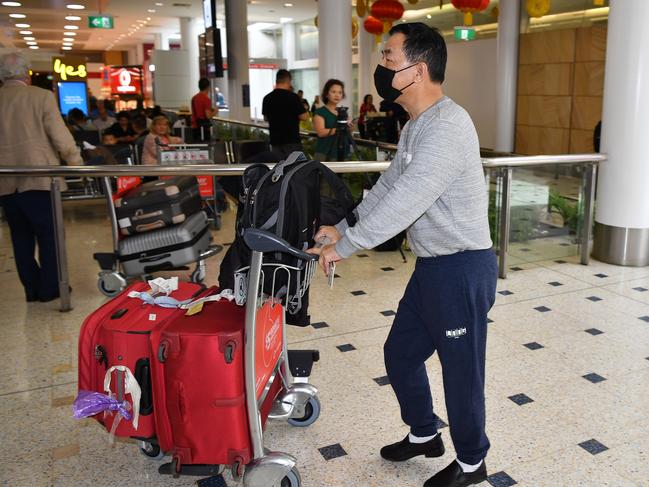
x,y
166,248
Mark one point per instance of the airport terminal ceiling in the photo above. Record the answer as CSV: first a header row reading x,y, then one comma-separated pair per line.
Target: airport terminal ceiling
x,y
138,22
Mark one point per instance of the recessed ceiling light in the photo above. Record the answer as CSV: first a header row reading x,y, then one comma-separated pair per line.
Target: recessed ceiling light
x,y
26,32
148,18
75,6
30,38
158,4
66,48
72,17
31,43
67,44
151,10
17,16
429,16
33,47
11,4
69,33
288,4
23,26
71,27
68,39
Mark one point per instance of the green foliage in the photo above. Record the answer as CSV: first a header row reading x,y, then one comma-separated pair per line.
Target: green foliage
x,y
569,212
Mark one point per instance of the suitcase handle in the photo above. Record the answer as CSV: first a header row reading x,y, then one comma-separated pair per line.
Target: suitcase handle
x,y
155,258
162,351
147,227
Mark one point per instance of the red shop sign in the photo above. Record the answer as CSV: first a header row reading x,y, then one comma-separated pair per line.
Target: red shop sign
x,y
126,80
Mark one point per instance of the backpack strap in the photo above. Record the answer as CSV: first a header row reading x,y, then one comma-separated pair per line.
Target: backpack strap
x,y
295,156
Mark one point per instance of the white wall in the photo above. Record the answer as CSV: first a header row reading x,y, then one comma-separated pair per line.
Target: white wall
x,y
471,82
171,83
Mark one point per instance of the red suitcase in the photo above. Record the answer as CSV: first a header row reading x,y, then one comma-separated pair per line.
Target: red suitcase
x,y
199,387
118,333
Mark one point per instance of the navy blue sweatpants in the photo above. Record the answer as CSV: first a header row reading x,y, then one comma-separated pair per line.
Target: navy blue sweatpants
x,y
444,309
29,215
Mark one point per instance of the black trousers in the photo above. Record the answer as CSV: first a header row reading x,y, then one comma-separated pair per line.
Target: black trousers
x,y
444,309
29,215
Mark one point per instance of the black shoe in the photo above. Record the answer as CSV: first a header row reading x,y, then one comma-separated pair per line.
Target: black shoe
x,y
404,450
454,476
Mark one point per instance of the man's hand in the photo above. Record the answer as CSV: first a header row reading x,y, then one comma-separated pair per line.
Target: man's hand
x,y
328,232
327,255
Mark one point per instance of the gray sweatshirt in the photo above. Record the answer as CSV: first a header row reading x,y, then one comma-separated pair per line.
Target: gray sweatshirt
x,y
434,188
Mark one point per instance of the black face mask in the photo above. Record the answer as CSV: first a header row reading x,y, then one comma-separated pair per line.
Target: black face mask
x,y
383,81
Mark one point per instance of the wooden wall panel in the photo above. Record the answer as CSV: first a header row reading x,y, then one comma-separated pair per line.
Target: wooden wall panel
x,y
586,112
589,78
113,58
545,79
552,46
581,141
544,111
542,140
591,44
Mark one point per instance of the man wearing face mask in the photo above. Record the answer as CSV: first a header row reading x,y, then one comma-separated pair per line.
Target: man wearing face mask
x,y
434,189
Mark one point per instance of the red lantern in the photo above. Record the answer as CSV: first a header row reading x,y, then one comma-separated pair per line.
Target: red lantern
x,y
470,6
373,25
387,10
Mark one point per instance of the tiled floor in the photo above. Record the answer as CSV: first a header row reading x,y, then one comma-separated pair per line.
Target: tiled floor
x,y
567,377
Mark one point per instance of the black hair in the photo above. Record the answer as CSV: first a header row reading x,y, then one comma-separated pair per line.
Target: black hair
x,y
366,97
283,76
424,44
123,114
327,86
203,84
139,121
76,115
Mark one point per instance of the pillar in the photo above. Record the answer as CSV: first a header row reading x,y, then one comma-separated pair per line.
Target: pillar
x,y
366,66
335,43
161,41
236,24
189,32
622,213
289,44
507,72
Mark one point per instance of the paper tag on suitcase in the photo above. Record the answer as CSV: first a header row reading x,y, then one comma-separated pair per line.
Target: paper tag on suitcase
x,y
195,308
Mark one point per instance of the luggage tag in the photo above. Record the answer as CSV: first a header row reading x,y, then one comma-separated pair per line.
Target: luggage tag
x,y
240,287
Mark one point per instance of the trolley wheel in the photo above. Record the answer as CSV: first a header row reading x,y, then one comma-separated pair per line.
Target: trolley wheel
x,y
152,451
105,289
236,470
311,414
216,222
198,275
292,479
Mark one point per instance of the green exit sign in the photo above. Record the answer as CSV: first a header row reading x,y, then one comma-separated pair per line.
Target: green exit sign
x,y
100,22
464,33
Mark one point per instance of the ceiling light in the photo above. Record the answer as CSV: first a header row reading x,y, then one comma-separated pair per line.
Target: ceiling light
x,y
31,43
33,47
23,26
75,6
65,48
69,33
17,16
151,10
72,17
11,4
429,16
148,18
288,4
25,32
67,44
71,27
68,39
30,38
158,4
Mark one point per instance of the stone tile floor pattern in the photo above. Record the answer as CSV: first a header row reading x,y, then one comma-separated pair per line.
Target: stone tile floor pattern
x,y
573,433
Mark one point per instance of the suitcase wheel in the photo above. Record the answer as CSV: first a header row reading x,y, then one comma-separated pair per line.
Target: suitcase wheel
x,y
237,470
311,414
152,451
292,479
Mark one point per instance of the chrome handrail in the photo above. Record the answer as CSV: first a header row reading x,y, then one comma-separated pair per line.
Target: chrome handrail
x,y
503,165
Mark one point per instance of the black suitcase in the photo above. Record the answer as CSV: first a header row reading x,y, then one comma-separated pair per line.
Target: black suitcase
x,y
158,204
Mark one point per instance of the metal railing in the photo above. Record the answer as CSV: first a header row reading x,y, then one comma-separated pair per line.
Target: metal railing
x,y
503,166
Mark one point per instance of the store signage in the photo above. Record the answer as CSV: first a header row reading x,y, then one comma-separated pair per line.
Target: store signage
x,y
100,22
69,69
126,80
464,33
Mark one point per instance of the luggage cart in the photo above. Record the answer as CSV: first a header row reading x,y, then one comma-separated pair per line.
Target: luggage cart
x,y
211,193
266,356
112,276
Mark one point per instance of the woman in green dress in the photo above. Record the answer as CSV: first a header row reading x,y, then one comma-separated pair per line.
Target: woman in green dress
x,y
325,123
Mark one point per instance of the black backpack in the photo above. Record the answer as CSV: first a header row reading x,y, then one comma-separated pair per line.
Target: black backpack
x,y
292,200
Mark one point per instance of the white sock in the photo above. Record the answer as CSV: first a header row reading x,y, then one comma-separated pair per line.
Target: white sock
x,y
466,468
420,439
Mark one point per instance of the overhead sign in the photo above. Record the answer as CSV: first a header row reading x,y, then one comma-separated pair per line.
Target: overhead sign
x,y
126,80
69,69
100,21
464,33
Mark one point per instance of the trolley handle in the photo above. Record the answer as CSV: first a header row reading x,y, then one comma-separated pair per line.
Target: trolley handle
x,y
263,241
